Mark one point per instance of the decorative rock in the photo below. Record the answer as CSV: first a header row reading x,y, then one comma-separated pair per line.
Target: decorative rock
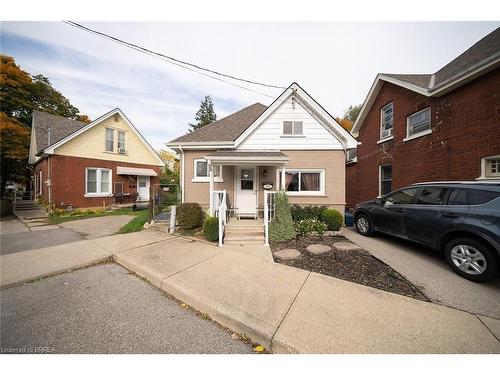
x,y
333,233
318,249
346,246
287,254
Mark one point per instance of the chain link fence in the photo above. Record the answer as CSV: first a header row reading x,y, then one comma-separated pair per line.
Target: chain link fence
x,y
162,198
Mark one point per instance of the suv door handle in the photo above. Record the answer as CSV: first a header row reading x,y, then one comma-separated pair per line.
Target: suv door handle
x,y
450,214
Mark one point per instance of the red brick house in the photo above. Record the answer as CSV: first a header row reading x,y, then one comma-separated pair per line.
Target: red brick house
x,y
429,127
91,165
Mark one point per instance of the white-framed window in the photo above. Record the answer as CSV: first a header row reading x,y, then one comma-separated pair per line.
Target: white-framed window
x,y
110,140
386,121
201,171
490,167
98,182
121,142
418,123
40,182
293,128
385,179
303,181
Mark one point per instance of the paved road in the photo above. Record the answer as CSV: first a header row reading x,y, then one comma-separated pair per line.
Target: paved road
x,y
105,309
429,271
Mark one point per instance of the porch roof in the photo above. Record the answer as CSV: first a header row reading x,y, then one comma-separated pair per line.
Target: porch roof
x,y
136,171
249,157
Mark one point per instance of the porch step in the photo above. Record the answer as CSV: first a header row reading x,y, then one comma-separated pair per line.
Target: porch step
x,y
243,240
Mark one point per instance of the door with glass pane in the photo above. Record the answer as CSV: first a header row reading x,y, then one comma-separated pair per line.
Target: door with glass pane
x,y
143,188
246,191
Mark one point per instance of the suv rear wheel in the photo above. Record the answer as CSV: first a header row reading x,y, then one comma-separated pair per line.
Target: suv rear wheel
x,y
471,259
364,225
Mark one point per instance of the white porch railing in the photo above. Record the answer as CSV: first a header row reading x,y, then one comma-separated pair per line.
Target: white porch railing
x,y
269,212
219,201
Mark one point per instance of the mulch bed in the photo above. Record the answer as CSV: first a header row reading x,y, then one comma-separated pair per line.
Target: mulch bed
x,y
357,266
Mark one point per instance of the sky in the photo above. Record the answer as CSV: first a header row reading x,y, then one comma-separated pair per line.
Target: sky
x,y
335,62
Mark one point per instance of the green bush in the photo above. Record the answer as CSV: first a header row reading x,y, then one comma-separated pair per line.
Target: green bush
x,y
281,228
332,218
306,212
310,225
211,228
189,215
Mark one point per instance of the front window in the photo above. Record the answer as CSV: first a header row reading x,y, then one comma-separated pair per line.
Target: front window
x,y
385,179
110,142
386,120
419,122
98,181
201,170
121,142
293,128
404,196
304,181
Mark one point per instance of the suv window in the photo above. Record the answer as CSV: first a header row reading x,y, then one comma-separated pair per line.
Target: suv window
x,y
477,196
458,197
404,196
432,195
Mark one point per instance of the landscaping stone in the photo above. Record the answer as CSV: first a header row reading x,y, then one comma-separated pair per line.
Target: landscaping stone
x,y
318,249
333,233
346,246
287,254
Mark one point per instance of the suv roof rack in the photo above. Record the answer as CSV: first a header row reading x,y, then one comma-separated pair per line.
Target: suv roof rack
x,y
491,182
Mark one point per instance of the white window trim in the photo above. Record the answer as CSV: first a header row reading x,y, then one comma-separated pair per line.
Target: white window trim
x,y
205,179
385,139
322,182
98,178
423,132
483,168
106,139
382,139
118,131
380,178
292,135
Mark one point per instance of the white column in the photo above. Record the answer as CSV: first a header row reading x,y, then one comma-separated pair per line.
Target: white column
x,y
211,174
282,187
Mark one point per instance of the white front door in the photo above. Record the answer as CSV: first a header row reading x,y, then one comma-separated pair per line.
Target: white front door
x,y
143,188
246,191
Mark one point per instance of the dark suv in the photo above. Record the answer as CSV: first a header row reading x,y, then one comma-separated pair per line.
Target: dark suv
x,y
460,219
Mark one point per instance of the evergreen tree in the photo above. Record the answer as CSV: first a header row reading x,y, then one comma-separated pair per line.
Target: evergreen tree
x,y
205,115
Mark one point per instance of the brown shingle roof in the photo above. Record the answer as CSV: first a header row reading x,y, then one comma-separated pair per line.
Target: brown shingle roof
x,y
60,127
421,80
226,129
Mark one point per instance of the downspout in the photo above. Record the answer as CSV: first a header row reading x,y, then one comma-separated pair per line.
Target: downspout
x,y
182,173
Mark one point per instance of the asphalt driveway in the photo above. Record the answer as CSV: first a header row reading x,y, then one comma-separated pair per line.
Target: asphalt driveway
x,y
429,271
105,309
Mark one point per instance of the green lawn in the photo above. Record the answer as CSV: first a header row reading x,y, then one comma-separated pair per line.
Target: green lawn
x,y
138,218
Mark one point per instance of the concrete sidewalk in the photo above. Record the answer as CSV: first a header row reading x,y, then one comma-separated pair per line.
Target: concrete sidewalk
x,y
289,310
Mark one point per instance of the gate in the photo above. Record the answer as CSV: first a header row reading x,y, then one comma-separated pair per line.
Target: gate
x,y
161,198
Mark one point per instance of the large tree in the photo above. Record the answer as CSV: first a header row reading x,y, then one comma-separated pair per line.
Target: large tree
x,y
20,94
205,115
350,116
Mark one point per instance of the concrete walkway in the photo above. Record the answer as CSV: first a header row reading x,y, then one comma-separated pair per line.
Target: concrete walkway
x,y
287,310
429,271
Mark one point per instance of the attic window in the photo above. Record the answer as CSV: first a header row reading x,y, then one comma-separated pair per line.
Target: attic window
x,y
293,128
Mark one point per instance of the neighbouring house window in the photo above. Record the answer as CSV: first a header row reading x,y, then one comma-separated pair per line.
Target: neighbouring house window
x,y
385,179
98,181
490,167
40,182
121,142
201,170
110,142
419,122
304,181
386,120
293,128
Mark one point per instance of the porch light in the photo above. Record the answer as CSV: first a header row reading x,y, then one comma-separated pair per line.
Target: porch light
x,y
264,173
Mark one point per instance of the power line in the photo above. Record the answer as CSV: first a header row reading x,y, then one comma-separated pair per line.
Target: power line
x,y
177,62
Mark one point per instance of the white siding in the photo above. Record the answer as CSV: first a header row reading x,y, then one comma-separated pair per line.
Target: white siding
x,y
268,135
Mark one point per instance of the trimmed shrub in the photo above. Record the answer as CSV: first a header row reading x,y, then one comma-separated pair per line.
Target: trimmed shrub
x,y
281,228
306,212
189,215
310,225
211,228
332,218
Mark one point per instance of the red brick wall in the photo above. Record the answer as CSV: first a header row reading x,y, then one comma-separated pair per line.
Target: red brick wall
x,y
465,127
68,180
43,166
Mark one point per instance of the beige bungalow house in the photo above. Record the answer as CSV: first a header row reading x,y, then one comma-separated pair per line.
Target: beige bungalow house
x,y
294,144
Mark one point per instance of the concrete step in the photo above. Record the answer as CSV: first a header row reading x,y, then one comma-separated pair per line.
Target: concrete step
x,y
229,241
243,238
244,234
